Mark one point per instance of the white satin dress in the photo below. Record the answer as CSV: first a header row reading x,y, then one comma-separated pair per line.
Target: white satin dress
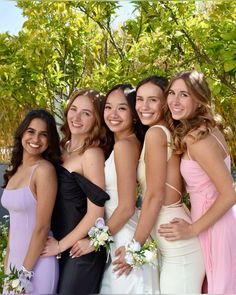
x,y
141,281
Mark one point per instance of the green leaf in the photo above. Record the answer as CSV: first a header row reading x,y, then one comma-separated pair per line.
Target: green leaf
x,y
230,65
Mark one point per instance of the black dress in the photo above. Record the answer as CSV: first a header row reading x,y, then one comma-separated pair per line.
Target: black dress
x,y
80,275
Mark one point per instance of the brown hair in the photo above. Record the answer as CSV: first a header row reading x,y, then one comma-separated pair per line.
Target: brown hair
x,y
97,136
203,121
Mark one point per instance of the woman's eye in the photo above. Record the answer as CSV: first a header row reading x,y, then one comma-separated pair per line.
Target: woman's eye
x,y
107,107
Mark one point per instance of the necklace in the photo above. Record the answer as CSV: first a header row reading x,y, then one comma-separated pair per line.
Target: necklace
x,y
67,146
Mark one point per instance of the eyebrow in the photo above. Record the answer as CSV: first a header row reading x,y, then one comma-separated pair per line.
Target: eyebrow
x,y
42,131
151,96
122,103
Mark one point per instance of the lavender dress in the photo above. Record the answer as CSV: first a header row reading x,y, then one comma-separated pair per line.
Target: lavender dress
x,y
21,205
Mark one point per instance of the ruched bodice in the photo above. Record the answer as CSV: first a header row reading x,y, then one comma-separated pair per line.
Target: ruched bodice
x,y
200,187
71,201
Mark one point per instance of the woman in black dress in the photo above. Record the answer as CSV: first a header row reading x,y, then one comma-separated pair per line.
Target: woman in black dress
x,y
80,198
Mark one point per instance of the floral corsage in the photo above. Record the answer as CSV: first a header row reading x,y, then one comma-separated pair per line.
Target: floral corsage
x,y
19,281
137,256
99,235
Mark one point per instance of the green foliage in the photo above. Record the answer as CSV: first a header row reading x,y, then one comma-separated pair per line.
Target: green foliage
x,y
64,45
3,245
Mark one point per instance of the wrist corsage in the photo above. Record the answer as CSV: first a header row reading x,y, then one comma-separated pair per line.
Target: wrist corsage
x,y
19,281
136,256
99,235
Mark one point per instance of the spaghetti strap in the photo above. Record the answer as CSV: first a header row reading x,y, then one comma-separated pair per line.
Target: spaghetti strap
x,y
32,173
220,143
175,189
190,158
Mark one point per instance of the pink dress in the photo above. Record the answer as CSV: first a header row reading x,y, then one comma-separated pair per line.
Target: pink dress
x,y
219,241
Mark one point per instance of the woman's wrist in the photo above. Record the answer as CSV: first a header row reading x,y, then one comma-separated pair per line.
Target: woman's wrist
x,y
58,256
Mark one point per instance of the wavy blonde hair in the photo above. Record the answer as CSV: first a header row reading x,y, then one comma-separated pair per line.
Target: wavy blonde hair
x,y
203,121
97,136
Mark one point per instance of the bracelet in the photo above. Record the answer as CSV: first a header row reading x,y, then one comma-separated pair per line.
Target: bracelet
x,y
25,277
27,273
58,256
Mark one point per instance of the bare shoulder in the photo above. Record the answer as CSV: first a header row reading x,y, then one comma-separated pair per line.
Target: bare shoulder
x,y
155,136
93,153
45,168
127,145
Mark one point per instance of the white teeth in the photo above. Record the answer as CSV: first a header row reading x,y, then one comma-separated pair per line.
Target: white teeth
x,y
76,124
146,115
114,122
34,145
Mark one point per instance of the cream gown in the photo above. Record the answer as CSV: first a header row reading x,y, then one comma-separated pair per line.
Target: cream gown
x,y
182,268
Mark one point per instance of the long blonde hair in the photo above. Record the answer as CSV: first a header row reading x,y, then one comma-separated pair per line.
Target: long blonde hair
x,y
97,136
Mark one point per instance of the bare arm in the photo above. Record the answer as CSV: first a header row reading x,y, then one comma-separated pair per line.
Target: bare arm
x,y
156,171
46,187
212,162
126,156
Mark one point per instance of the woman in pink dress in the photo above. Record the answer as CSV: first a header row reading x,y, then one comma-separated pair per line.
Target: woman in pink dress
x,y
29,196
205,167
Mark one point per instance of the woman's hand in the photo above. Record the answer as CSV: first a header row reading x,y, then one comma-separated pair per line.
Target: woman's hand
x,y
51,247
81,247
120,264
177,229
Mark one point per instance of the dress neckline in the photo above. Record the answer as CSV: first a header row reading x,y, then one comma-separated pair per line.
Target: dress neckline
x,y
21,188
190,160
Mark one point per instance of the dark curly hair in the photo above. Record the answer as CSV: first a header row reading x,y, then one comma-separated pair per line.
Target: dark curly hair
x,y
52,153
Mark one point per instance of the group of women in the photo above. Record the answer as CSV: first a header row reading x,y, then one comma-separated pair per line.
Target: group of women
x,y
160,135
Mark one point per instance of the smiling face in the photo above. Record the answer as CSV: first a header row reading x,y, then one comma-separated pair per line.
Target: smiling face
x,y
117,113
35,138
180,102
80,116
149,103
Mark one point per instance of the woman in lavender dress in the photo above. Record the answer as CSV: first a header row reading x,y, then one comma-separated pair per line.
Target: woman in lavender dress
x,y
29,196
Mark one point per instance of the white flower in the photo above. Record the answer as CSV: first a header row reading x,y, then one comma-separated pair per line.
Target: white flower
x,y
134,246
129,258
103,237
150,256
15,283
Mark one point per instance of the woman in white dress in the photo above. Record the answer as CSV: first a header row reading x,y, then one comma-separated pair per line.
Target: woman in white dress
x,y
182,267
120,178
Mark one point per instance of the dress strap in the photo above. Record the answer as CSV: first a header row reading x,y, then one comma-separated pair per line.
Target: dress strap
x,y
220,143
32,172
190,158
175,189
169,139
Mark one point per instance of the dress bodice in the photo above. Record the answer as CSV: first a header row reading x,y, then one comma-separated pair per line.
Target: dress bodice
x,y
21,205
71,202
199,185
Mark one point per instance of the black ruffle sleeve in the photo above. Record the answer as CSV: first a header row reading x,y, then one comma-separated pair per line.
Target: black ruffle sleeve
x,y
95,194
